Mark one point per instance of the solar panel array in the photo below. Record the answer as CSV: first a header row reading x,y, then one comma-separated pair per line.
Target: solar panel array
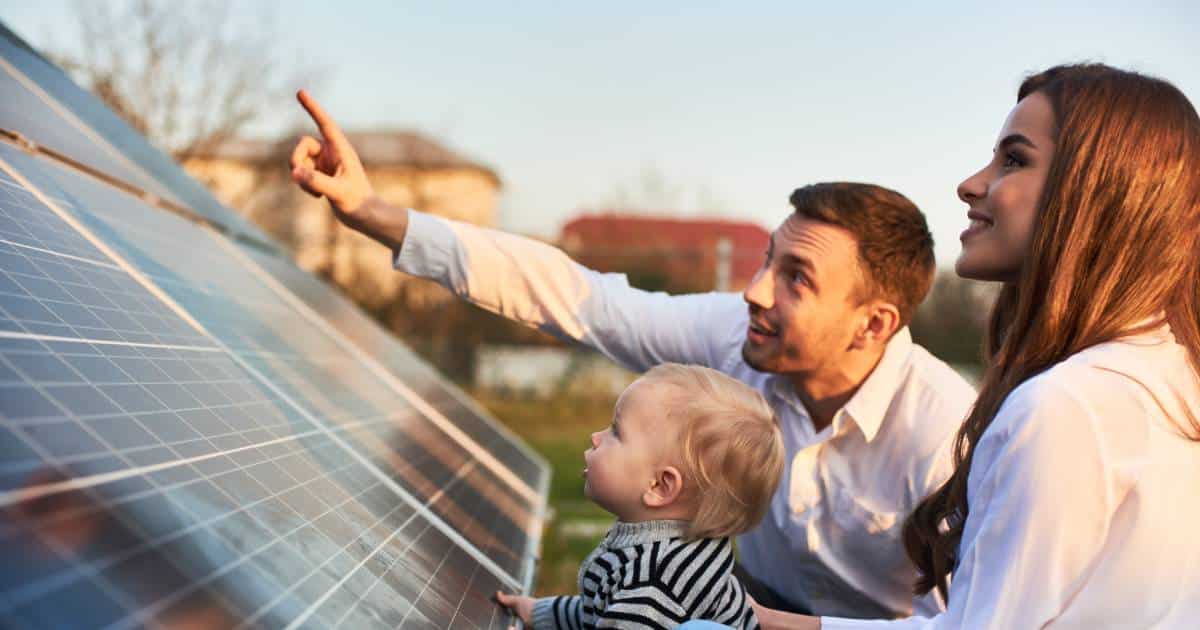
x,y
195,431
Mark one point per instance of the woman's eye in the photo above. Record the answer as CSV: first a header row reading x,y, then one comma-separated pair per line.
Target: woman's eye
x,y
1012,160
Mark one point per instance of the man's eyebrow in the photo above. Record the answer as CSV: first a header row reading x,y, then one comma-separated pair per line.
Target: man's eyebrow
x,y
1015,138
799,261
802,261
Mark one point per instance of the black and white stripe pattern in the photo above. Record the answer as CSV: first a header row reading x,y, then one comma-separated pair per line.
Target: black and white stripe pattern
x,y
645,575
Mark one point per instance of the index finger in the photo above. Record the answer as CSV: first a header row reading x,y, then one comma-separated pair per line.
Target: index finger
x,y
324,121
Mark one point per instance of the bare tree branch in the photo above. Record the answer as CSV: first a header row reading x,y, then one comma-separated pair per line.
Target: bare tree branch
x,y
188,75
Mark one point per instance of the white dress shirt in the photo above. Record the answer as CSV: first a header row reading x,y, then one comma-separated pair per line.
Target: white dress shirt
x,y
1084,500
831,539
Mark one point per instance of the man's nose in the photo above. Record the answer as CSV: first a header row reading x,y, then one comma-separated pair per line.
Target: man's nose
x,y
596,439
761,290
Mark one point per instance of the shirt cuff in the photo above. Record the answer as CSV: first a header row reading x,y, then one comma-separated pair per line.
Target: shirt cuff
x,y
428,245
543,614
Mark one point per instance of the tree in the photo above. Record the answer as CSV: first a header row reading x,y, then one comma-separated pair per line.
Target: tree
x,y
187,75
950,322
653,191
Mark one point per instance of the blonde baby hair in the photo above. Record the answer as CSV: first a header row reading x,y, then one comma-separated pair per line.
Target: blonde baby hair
x,y
731,448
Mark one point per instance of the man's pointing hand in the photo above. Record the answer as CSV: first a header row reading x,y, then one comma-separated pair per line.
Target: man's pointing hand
x,y
329,167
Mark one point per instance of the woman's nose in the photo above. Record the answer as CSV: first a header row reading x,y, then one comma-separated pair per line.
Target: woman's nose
x,y
973,188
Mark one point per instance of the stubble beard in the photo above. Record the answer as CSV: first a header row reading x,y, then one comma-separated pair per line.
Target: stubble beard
x,y
768,364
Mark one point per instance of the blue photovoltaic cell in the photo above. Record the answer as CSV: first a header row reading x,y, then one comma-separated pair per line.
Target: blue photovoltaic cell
x,y
309,366
146,477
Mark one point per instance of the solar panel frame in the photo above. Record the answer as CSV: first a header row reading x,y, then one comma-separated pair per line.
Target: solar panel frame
x,y
284,369
475,573
25,108
94,340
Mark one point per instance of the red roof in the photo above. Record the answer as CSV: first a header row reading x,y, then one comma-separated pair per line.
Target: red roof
x,y
685,248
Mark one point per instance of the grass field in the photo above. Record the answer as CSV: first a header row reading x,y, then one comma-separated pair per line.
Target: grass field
x,y
559,428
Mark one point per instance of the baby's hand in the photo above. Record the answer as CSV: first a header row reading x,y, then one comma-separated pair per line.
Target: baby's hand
x,y
519,604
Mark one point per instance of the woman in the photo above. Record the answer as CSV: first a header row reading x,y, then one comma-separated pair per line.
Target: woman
x,y
1077,486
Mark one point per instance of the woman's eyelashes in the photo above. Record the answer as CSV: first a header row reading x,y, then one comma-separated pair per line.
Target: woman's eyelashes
x,y
1012,159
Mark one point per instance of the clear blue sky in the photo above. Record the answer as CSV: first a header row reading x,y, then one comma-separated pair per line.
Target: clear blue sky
x,y
732,105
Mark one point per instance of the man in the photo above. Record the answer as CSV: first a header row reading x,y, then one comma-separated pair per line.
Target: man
x,y
868,417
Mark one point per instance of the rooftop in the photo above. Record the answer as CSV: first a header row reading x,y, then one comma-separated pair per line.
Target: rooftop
x,y
378,148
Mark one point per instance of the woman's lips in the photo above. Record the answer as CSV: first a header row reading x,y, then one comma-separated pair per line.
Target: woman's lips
x,y
979,223
975,228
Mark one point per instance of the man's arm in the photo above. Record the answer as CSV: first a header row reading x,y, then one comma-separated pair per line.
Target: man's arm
x,y
539,286
517,277
330,168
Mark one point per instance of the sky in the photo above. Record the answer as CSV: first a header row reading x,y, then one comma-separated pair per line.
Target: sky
x,y
715,109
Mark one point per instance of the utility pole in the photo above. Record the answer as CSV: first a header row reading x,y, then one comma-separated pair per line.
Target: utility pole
x,y
724,269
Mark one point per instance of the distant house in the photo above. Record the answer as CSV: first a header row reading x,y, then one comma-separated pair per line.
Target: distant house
x,y
675,254
406,168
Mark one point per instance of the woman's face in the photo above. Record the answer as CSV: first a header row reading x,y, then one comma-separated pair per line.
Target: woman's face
x,y
1002,198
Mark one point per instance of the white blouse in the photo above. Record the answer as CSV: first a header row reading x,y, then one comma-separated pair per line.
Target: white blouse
x,y
1084,500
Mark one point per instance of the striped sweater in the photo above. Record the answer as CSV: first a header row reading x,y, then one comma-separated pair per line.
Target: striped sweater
x,y
644,575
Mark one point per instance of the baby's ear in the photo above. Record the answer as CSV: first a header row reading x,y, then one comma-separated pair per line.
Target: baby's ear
x,y
665,488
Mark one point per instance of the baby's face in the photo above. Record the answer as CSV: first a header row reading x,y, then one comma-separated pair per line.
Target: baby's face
x,y
622,462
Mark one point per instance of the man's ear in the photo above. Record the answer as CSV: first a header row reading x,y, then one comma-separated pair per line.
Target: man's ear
x,y
880,320
664,489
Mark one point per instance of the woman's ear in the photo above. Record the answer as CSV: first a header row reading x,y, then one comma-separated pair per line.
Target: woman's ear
x,y
665,488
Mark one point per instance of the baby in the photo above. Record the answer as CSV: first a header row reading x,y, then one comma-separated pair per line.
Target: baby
x,y
692,458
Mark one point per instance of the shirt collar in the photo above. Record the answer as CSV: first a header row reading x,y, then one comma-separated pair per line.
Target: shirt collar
x,y
625,534
868,405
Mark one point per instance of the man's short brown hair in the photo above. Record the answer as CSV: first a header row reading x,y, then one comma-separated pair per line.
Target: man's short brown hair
x,y
895,248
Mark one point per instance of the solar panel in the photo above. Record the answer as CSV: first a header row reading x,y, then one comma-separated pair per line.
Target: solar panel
x,y
416,374
194,430
42,103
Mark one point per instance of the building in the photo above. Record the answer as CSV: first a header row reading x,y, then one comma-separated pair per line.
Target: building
x,y
406,168
675,254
